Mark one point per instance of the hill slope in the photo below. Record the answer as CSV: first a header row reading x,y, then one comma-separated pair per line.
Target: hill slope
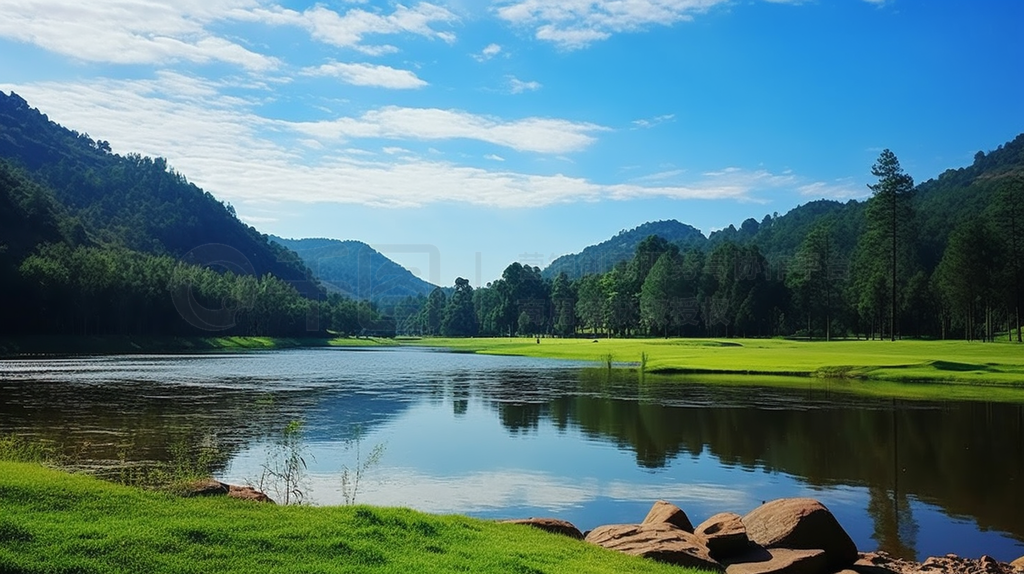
x,y
135,202
356,270
602,257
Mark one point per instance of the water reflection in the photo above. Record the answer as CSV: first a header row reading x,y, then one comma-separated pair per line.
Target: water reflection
x,y
501,436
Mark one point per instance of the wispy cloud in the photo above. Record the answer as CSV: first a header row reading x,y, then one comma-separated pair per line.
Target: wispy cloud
x,y
487,53
540,135
517,86
577,24
652,122
159,33
351,28
130,31
839,189
223,145
369,75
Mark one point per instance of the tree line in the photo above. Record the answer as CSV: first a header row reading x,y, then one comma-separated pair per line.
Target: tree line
x,y
873,277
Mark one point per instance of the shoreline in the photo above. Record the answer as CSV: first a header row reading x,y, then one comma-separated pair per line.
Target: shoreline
x,y
909,369
64,346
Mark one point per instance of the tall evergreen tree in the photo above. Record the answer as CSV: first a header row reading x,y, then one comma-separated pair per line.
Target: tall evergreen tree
x,y
889,215
459,315
563,301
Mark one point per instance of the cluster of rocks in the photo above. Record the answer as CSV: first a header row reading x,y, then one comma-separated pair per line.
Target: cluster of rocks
x,y
785,536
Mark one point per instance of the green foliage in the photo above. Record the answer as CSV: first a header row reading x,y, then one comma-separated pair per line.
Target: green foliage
x,y
14,448
459,314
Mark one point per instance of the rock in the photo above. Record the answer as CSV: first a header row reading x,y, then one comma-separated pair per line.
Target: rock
x,y
552,525
801,524
778,561
661,541
207,487
667,513
724,535
248,493
882,563
1018,563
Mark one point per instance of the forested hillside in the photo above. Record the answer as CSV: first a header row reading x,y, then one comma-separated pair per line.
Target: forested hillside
x,y
131,201
602,257
356,270
94,243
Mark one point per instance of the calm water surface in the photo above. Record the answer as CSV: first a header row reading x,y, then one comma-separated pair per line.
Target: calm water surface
x,y
511,437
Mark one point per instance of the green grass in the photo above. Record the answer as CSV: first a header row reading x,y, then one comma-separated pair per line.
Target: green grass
x,y
51,521
912,369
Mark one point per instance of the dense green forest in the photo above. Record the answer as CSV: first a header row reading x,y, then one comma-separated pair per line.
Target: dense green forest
x,y
94,243
943,259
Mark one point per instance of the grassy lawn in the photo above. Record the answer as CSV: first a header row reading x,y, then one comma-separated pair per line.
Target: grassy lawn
x,y
901,364
51,521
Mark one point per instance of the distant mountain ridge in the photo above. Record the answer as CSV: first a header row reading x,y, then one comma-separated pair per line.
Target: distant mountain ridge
x,y
356,270
602,257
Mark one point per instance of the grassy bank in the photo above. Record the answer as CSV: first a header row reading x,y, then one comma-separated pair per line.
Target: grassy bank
x,y
126,345
957,362
51,521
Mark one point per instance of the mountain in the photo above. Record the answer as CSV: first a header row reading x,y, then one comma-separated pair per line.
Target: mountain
x,y
602,257
135,202
355,269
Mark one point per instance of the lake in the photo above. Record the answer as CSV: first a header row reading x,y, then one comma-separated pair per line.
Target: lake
x,y
507,437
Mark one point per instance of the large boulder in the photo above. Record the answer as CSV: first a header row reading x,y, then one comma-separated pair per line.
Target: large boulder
x,y
667,513
205,487
1018,563
801,524
724,535
661,541
552,525
248,493
778,561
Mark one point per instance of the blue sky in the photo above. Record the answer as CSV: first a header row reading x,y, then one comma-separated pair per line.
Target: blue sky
x,y
472,133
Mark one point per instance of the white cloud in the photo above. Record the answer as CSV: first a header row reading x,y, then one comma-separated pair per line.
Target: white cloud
x,y
349,30
489,52
517,86
838,190
130,31
539,135
494,157
647,123
369,75
574,24
224,146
